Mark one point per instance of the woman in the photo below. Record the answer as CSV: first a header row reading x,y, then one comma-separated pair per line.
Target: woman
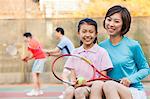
x,y
130,65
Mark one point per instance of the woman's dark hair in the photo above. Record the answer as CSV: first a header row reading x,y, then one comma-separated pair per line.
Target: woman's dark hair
x,y
27,34
125,15
88,21
61,30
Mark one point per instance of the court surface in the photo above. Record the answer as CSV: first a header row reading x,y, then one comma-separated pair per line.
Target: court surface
x,y
51,91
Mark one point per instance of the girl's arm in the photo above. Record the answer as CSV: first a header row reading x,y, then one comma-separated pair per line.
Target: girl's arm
x,y
65,76
104,73
73,76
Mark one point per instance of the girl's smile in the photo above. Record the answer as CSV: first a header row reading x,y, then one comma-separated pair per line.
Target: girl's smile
x,y
87,34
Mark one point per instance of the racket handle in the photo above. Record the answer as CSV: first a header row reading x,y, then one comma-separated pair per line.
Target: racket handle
x,y
117,81
103,79
26,59
48,54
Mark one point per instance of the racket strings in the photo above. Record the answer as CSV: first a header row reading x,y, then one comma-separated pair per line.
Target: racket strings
x,y
94,75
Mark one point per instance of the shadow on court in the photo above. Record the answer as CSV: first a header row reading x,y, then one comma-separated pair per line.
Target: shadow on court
x,y
51,91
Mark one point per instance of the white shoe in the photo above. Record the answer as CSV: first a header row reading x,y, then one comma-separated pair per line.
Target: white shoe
x,y
41,92
61,96
33,92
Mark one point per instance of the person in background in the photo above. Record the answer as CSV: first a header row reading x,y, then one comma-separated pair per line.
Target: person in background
x,y
35,51
65,46
130,64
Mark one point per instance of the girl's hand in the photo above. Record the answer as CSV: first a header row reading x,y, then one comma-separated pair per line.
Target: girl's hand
x,y
83,84
125,81
74,82
88,84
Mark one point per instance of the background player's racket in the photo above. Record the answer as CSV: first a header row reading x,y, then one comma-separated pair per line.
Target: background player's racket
x,y
11,49
26,59
57,68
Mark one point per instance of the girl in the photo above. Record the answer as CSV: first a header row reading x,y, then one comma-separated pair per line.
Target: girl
x,y
130,65
87,33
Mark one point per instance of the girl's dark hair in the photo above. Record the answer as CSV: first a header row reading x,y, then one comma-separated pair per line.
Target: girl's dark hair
x,y
61,30
27,34
125,15
88,21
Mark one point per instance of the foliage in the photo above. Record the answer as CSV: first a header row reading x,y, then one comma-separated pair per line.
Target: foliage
x,y
98,8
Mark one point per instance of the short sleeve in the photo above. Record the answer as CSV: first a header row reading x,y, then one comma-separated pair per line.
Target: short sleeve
x,y
69,64
105,62
34,44
61,44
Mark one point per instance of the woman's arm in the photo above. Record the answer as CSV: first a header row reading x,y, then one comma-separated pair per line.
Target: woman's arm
x,y
141,64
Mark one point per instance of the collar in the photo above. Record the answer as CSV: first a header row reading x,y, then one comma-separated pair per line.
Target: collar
x,y
93,49
62,37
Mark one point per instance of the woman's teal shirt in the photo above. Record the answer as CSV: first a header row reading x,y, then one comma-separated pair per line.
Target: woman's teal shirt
x,y
128,60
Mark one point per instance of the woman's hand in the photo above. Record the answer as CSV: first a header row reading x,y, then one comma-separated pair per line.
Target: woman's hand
x,y
125,81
